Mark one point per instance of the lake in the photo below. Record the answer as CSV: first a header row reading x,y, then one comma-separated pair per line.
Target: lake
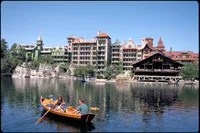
x,y
124,107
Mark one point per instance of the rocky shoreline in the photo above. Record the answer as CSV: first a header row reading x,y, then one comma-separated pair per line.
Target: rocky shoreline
x,y
44,71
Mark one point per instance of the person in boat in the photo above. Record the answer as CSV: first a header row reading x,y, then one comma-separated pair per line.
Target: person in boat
x,y
59,103
52,98
82,108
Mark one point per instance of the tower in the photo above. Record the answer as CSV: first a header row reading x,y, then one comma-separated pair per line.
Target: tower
x,y
39,43
160,47
103,51
39,47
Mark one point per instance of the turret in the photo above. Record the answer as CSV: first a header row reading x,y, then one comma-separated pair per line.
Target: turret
x,y
39,43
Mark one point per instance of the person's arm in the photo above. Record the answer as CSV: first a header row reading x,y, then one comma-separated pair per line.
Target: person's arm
x,y
55,102
62,103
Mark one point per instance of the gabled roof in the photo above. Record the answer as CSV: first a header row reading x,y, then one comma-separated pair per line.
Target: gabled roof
x,y
152,48
142,61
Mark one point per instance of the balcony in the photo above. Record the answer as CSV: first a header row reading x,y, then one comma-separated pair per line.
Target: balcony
x,y
156,70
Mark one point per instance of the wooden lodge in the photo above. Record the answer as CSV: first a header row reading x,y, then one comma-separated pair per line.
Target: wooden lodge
x,y
157,67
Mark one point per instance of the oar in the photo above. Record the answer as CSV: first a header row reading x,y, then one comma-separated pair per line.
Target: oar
x,y
42,117
91,108
94,108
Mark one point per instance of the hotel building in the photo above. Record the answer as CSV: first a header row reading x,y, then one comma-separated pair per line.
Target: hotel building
x,y
100,52
34,51
94,52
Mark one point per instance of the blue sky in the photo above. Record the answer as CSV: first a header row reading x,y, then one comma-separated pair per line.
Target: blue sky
x,y
175,22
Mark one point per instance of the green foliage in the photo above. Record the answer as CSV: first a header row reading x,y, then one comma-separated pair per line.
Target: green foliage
x,y
79,70
5,63
109,72
17,55
35,64
63,67
190,70
41,60
118,68
5,66
46,59
13,49
4,48
113,71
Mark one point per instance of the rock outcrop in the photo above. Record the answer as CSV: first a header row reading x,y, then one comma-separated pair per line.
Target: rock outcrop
x,y
44,71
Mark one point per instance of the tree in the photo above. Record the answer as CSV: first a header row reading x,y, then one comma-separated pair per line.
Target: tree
x,y
5,66
35,64
190,70
118,68
17,56
78,71
110,72
46,59
4,47
13,49
64,67
88,69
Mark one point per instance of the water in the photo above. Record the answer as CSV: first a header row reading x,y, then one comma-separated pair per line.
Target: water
x,y
135,107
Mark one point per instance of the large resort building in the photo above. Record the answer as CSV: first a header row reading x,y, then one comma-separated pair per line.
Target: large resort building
x,y
33,52
100,52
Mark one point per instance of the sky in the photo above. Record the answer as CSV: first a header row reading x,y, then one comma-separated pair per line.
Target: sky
x,y
176,22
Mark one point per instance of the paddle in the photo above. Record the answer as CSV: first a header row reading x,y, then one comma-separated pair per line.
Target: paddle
x,y
42,117
91,108
94,109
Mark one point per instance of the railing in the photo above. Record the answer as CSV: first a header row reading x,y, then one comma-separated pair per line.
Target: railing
x,y
157,70
115,61
60,59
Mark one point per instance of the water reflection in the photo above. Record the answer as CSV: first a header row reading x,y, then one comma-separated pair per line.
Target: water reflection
x,y
117,101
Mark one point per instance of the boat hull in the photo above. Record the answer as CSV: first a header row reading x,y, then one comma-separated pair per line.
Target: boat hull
x,y
82,118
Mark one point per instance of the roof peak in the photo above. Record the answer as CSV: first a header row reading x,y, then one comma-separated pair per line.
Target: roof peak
x,y
160,41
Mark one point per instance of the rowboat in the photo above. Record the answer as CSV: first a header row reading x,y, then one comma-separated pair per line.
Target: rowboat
x,y
67,112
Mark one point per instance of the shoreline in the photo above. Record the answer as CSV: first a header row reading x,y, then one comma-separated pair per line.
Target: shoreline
x,y
103,81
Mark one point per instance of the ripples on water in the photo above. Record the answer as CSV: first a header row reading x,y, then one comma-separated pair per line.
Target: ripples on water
x,y
136,107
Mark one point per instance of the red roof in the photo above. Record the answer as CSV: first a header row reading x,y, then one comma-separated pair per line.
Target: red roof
x,y
102,34
176,55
